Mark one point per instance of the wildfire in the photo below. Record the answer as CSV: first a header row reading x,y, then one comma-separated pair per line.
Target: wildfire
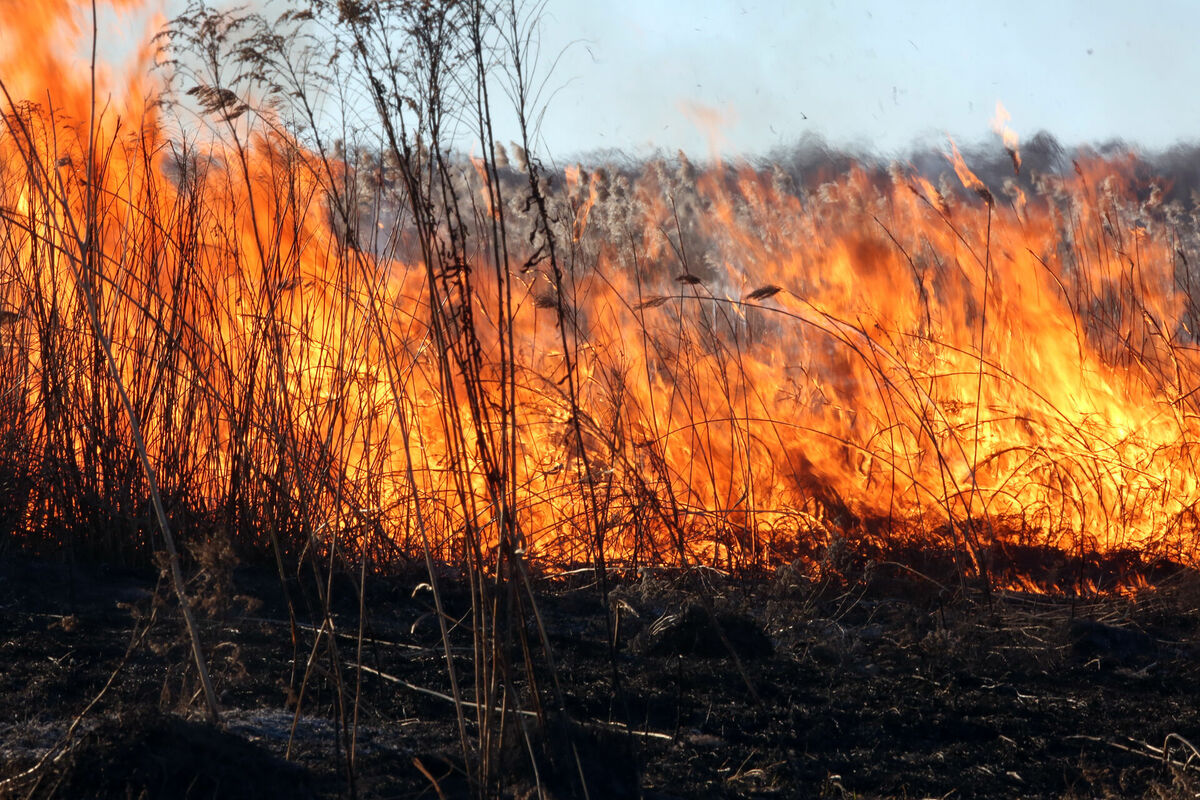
x,y
729,368
1007,135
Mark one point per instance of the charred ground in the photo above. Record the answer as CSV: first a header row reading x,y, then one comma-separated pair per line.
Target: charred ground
x,y
873,683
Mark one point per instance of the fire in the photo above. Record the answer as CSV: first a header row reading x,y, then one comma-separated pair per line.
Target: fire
x,y
1008,135
731,369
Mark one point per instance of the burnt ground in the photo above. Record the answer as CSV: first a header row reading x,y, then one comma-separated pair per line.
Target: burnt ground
x,y
885,685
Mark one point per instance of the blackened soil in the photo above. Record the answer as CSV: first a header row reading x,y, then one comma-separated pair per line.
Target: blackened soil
x,y
783,686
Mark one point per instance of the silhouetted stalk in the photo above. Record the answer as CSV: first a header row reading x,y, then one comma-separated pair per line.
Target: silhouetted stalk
x,y
77,264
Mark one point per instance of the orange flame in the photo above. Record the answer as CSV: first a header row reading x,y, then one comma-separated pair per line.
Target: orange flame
x,y
1008,135
759,369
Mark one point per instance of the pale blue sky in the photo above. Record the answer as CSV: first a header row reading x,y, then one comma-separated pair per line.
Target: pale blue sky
x,y
876,73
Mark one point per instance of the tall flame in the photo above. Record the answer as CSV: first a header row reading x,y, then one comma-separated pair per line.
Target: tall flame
x,y
1007,135
760,368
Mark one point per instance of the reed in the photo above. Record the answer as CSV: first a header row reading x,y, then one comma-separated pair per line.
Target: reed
x,y
288,313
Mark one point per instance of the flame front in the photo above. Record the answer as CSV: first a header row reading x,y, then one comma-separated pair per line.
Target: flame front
x,y
729,369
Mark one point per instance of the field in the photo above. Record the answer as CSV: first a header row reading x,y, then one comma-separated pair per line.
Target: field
x,y
322,410
876,687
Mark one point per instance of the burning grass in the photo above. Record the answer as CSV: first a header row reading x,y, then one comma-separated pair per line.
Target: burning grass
x,y
350,353
663,365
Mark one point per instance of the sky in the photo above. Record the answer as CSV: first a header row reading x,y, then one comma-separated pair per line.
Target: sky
x,y
741,77
747,76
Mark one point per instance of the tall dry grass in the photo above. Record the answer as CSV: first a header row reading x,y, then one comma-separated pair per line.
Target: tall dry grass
x,y
292,310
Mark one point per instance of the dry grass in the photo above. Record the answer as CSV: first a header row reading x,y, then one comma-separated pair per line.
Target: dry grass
x,y
247,324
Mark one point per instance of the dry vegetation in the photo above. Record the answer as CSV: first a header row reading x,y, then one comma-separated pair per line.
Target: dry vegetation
x,y
281,318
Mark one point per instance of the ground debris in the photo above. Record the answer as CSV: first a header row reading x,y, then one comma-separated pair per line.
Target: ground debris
x,y
691,688
161,757
696,631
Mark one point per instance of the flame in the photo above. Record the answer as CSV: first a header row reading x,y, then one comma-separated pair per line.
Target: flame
x,y
1008,135
969,179
760,370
